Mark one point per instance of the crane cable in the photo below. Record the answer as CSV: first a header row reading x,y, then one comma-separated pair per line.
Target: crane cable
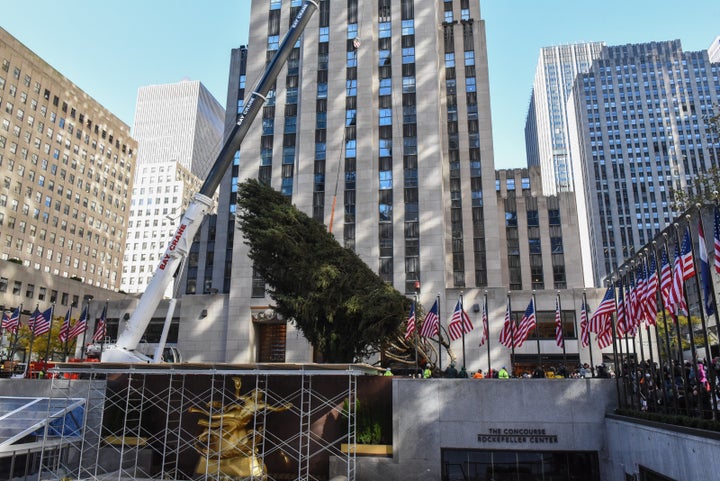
x,y
337,181
356,45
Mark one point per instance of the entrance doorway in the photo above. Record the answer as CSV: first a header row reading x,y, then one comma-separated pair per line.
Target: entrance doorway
x,y
485,465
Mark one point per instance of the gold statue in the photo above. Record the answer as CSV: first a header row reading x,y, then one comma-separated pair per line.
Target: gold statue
x,y
229,445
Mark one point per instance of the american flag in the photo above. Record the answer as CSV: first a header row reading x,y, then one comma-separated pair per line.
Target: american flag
x,y
5,320
485,332
12,322
650,298
665,279
676,298
705,276
80,326
603,312
101,325
633,318
527,324
688,265
508,330
622,321
459,322
408,332
65,329
430,325
716,237
584,331
639,294
604,338
39,323
558,325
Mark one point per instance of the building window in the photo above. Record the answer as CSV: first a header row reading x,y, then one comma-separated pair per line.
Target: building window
x,y
554,216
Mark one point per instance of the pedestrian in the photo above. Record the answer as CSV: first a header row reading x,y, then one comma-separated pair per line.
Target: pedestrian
x,y
427,372
503,374
463,373
388,372
451,372
478,374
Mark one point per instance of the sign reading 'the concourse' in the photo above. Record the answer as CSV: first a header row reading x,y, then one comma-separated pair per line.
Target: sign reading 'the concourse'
x,y
517,436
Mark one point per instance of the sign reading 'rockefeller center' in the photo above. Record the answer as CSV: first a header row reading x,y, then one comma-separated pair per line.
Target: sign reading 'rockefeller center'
x,y
517,435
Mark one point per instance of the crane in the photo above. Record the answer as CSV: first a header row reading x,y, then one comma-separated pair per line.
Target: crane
x,y
124,350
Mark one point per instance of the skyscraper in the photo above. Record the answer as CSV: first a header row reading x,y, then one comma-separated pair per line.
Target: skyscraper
x,y
178,128
391,102
67,166
714,50
546,132
639,130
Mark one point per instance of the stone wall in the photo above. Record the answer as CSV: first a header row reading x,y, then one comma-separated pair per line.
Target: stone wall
x,y
542,414
679,453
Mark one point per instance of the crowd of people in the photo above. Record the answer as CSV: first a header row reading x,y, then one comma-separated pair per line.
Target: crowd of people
x,y
688,387
452,372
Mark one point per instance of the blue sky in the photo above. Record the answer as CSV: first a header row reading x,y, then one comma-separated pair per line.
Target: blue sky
x,y
110,49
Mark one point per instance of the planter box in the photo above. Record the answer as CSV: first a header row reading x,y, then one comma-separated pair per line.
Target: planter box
x,y
368,449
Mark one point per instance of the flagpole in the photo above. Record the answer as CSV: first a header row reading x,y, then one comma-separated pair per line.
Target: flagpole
x,y
627,326
676,317
83,351
691,333
104,320
658,276
487,333
637,332
592,363
2,317
637,320
646,276
462,327
512,334
628,360
614,336
562,330
16,334
708,357
414,334
67,334
711,365
653,370
6,332
47,350
693,351
537,329
671,362
439,331
32,340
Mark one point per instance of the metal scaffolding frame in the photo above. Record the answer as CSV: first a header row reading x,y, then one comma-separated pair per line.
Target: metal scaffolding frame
x,y
233,403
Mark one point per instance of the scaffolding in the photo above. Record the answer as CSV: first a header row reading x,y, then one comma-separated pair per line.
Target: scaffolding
x,y
199,421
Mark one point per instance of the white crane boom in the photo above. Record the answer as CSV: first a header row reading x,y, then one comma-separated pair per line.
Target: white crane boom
x,y
125,348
